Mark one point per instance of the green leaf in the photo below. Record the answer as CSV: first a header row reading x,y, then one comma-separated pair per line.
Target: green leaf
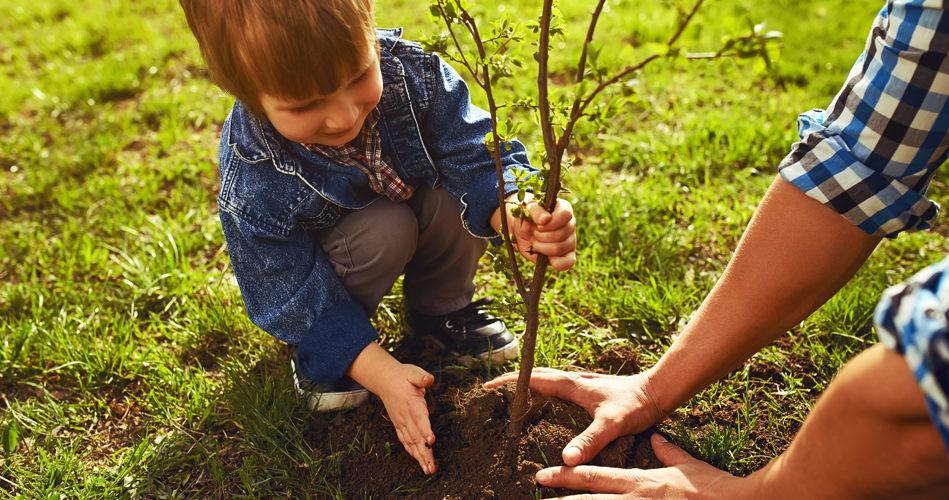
x,y
9,438
760,66
489,141
514,129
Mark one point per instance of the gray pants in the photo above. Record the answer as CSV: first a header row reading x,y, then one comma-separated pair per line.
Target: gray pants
x,y
422,237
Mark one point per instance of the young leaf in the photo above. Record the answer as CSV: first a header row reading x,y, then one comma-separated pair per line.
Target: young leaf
x,y
9,438
489,141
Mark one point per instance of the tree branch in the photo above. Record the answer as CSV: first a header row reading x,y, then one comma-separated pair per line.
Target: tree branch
x,y
581,67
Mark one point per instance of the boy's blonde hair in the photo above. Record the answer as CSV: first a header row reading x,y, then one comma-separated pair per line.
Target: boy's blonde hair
x,y
287,49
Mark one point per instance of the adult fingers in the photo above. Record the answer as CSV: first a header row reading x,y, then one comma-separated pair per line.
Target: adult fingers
x,y
670,454
587,478
591,441
503,379
546,381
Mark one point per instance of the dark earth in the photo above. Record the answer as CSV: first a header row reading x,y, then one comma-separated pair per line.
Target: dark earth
x,y
475,457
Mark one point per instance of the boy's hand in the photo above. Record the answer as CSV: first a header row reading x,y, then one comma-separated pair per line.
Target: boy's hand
x,y
402,390
403,393
552,234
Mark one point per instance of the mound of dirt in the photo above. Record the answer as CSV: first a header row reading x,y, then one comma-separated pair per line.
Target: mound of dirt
x,y
476,459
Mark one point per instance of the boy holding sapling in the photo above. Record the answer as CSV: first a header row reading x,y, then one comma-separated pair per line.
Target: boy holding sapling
x,y
351,157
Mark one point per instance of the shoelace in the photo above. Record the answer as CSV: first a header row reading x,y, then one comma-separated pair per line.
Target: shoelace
x,y
473,315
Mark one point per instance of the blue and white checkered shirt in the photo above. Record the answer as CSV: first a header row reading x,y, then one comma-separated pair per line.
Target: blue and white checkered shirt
x,y
871,156
912,320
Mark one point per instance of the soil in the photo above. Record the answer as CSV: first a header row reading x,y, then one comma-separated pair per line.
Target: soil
x,y
475,459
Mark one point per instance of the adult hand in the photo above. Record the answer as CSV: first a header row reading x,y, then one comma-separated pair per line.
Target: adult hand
x,y
685,478
619,405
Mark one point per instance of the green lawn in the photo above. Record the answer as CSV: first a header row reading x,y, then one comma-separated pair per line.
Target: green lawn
x,y
127,365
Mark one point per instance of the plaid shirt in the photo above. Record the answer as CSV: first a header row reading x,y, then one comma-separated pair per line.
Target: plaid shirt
x,y
871,156
377,165
912,320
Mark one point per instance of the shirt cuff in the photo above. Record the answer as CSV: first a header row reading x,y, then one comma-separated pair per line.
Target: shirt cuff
x,y
911,319
823,167
334,341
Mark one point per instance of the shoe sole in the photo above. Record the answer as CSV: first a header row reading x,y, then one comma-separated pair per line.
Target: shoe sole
x,y
335,400
329,401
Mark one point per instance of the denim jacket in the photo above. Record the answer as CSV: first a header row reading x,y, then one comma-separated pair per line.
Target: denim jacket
x,y
275,195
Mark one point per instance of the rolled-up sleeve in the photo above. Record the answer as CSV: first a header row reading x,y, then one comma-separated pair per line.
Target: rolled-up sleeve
x,y
913,320
871,155
461,157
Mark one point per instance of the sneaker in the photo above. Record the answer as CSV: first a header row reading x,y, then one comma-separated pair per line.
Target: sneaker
x,y
336,395
470,333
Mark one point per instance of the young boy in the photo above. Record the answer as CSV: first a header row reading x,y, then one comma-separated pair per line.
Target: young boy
x,y
350,158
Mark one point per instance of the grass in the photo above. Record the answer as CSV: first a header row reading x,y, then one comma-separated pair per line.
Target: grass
x,y
127,365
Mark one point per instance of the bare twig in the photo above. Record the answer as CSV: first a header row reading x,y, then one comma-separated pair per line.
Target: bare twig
x,y
464,60
485,83
577,111
581,66
685,22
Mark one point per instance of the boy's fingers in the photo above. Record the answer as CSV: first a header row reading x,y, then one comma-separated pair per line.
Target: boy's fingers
x,y
423,455
423,428
420,378
538,214
562,216
560,235
563,262
555,248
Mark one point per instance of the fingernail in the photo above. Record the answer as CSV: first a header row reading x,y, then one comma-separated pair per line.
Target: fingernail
x,y
660,438
572,455
544,476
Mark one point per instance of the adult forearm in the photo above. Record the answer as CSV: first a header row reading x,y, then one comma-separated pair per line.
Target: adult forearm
x,y
869,437
794,255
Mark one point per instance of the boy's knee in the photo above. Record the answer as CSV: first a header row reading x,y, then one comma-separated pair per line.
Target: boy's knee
x,y
382,235
436,208
392,235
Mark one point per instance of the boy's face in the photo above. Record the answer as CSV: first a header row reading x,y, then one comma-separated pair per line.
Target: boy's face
x,y
329,120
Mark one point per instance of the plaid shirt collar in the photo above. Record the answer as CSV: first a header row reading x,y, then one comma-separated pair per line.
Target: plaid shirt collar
x,y
370,159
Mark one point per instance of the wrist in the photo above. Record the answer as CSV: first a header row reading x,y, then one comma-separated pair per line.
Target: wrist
x,y
373,368
655,398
